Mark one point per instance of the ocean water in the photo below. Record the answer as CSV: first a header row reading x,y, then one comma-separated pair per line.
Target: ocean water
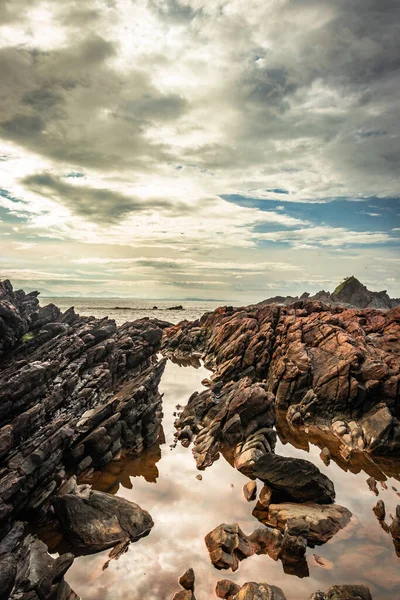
x,y
163,481
128,309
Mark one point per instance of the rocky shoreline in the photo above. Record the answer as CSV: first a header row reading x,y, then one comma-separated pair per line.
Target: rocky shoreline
x,y
78,392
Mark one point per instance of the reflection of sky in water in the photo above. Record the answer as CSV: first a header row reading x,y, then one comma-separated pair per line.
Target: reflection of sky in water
x,y
184,510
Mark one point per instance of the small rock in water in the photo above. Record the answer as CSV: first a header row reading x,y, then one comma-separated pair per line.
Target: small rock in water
x,y
226,588
250,490
325,456
265,496
371,481
323,562
199,477
187,580
379,510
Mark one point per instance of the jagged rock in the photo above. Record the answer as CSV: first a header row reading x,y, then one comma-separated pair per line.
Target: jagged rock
x,y
344,592
265,496
183,595
259,591
74,391
187,580
325,456
267,541
8,573
395,530
250,490
294,546
319,361
324,520
371,482
227,546
226,588
95,520
379,510
296,478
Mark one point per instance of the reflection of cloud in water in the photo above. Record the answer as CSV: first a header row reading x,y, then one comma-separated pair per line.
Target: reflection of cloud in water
x,y
184,510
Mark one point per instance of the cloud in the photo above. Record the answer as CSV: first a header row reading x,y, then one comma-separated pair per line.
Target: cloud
x,y
126,125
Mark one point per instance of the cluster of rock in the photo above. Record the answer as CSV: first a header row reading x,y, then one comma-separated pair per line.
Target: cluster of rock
x,y
317,364
312,364
74,392
350,292
263,591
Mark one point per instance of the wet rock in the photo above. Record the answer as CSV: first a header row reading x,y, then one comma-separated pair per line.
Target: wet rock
x,y
183,595
265,496
187,580
250,490
226,588
227,546
371,482
324,520
395,530
8,573
267,541
376,426
298,479
325,456
379,510
95,520
344,592
294,546
259,591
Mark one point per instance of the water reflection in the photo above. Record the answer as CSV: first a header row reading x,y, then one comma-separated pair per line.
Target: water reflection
x,y
184,510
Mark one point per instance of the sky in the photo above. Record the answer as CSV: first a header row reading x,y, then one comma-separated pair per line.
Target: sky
x,y
232,149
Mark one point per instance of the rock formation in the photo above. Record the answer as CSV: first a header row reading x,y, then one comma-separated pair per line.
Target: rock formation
x,y
316,364
74,393
350,292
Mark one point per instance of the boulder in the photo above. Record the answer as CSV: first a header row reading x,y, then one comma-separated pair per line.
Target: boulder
x,y
295,478
324,520
226,588
95,521
187,580
250,490
227,546
259,591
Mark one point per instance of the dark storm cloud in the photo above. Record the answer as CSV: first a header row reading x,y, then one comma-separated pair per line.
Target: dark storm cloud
x,y
97,205
72,106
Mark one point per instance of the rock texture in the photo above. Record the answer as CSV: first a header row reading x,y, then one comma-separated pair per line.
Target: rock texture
x,y
74,392
95,520
324,520
249,591
351,292
344,592
318,364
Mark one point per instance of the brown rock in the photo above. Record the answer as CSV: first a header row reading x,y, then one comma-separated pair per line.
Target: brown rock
x,y
265,496
187,580
325,520
379,510
226,588
250,490
227,546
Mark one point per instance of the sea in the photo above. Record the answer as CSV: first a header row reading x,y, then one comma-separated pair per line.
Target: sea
x,y
130,309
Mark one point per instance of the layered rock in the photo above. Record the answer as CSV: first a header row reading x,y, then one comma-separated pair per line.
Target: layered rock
x,y
94,521
321,363
350,292
324,520
28,572
74,392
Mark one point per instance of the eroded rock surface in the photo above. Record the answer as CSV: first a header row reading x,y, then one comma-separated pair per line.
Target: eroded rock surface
x,y
321,363
74,392
95,520
324,520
